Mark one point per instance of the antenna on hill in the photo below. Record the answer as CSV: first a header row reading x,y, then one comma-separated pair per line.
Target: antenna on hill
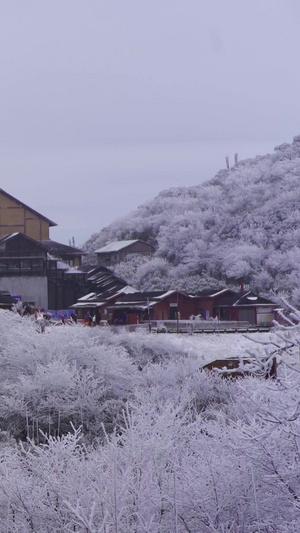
x,y
73,242
236,158
227,161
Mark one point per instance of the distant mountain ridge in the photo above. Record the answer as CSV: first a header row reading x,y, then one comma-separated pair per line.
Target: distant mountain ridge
x,y
243,225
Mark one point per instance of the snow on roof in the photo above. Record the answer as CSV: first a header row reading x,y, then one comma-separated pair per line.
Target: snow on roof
x,y
127,290
115,246
82,305
52,257
82,269
166,294
87,296
211,293
8,236
62,265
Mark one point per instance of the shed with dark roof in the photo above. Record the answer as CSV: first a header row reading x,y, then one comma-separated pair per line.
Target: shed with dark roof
x,y
247,306
118,251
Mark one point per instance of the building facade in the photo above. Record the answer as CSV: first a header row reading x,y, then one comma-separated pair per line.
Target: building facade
x,y
32,267
17,217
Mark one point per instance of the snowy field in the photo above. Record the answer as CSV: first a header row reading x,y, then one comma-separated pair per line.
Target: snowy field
x,y
210,346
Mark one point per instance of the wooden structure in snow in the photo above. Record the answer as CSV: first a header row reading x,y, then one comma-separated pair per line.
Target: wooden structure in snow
x,y
118,251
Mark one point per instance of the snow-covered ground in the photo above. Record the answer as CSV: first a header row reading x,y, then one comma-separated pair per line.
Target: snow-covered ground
x,y
211,346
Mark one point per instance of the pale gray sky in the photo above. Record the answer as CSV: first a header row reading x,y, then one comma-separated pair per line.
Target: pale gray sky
x,y
104,103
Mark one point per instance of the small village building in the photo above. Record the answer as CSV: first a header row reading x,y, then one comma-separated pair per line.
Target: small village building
x,y
121,304
68,254
31,265
141,307
247,306
23,269
208,301
28,270
242,306
17,217
118,251
106,289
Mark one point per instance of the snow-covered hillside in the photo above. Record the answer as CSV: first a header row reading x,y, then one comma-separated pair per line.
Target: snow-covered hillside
x,y
242,225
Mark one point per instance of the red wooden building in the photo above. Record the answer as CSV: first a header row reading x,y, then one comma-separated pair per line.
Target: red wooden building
x,y
227,304
208,302
155,305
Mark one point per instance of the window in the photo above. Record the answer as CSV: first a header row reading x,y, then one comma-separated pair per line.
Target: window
x,y
25,264
36,264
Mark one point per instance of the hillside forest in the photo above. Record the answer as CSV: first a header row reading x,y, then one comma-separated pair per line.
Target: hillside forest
x,y
243,225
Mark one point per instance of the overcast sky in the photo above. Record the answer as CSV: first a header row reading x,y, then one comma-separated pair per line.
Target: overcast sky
x,y
104,103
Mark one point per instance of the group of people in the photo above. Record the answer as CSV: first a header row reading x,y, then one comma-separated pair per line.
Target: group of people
x,y
72,320
92,320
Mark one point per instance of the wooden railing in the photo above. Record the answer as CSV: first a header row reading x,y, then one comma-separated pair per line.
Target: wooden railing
x,y
194,326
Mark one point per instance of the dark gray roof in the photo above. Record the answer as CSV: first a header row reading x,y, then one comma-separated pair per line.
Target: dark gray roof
x,y
105,283
143,296
10,236
99,280
243,298
56,248
141,300
212,292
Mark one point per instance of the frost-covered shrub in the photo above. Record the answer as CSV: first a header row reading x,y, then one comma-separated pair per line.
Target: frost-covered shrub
x,y
64,375
144,349
179,449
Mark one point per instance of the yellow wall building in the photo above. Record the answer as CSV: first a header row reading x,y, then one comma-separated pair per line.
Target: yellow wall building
x,y
15,217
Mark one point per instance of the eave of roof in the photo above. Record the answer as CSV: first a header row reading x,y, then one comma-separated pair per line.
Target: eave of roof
x,y
247,299
11,236
86,305
212,293
57,247
136,307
